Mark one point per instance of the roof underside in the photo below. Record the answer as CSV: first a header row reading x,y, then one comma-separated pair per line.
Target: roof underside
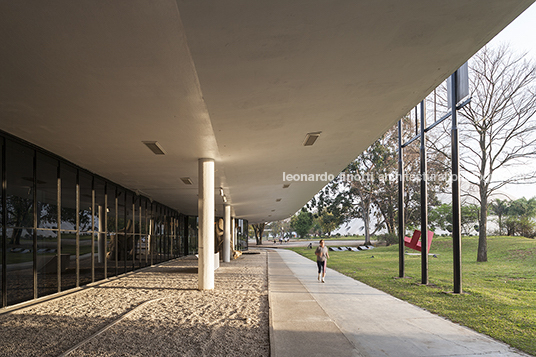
x,y
240,81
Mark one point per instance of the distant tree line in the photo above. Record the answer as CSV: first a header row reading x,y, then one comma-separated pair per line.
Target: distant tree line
x,y
515,217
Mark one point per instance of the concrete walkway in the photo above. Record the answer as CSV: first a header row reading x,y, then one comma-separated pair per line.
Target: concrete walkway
x,y
344,317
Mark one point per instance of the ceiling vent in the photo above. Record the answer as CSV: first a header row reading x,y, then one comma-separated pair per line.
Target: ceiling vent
x,y
187,180
154,147
310,138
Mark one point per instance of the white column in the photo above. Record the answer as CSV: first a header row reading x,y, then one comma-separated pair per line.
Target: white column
x,y
227,234
233,233
205,209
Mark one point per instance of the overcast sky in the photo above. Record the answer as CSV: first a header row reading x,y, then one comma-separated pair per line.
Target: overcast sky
x,y
521,35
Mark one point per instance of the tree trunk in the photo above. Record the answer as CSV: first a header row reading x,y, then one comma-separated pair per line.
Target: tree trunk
x,y
482,255
366,220
15,236
258,229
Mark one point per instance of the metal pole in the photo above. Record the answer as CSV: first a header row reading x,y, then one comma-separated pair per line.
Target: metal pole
x,y
424,202
4,223
416,123
58,240
401,223
456,210
35,226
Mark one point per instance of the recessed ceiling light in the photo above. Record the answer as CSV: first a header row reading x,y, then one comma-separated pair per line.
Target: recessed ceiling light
x,y
186,180
310,138
154,147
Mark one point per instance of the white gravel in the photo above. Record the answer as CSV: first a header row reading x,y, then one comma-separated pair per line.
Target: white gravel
x,y
154,312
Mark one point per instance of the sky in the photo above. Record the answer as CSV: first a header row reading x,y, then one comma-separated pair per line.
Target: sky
x,y
521,35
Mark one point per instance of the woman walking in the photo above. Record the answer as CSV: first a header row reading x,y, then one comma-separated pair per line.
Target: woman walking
x,y
322,256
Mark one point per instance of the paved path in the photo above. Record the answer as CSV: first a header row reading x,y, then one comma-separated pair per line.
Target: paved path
x,y
344,317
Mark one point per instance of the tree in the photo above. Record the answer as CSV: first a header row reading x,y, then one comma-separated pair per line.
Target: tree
x,y
519,217
302,222
441,217
497,129
359,182
368,187
329,221
258,228
499,208
19,214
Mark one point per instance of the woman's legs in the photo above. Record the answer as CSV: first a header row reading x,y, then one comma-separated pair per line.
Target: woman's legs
x,y
321,269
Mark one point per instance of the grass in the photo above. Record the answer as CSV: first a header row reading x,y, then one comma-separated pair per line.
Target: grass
x,y
327,239
499,296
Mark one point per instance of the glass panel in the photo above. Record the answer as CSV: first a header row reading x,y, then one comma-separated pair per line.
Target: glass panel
x,y
68,226
142,243
47,192
165,235
173,243
175,235
99,236
128,240
120,240
85,221
180,234
192,235
137,232
159,234
47,262
19,206
47,224
152,234
242,234
2,238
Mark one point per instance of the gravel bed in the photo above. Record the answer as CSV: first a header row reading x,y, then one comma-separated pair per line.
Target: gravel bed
x,y
154,312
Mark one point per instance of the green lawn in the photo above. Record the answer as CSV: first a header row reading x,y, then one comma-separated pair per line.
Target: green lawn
x,y
327,239
499,296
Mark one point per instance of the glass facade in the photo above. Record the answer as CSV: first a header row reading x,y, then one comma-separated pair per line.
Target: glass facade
x,y
241,226
63,227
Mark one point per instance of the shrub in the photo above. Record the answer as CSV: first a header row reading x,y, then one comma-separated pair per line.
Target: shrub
x,y
388,238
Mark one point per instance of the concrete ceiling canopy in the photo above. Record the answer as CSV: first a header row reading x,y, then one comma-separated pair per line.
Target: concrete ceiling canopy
x,y
242,82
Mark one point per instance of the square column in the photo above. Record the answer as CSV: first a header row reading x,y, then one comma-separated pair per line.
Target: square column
x,y
227,234
205,209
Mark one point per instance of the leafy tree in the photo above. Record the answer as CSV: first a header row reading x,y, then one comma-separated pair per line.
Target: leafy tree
x,y
519,217
499,208
441,217
316,228
523,207
258,228
328,222
369,185
358,183
302,222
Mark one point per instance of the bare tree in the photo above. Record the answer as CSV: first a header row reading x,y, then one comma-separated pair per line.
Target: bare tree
x,y
497,130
